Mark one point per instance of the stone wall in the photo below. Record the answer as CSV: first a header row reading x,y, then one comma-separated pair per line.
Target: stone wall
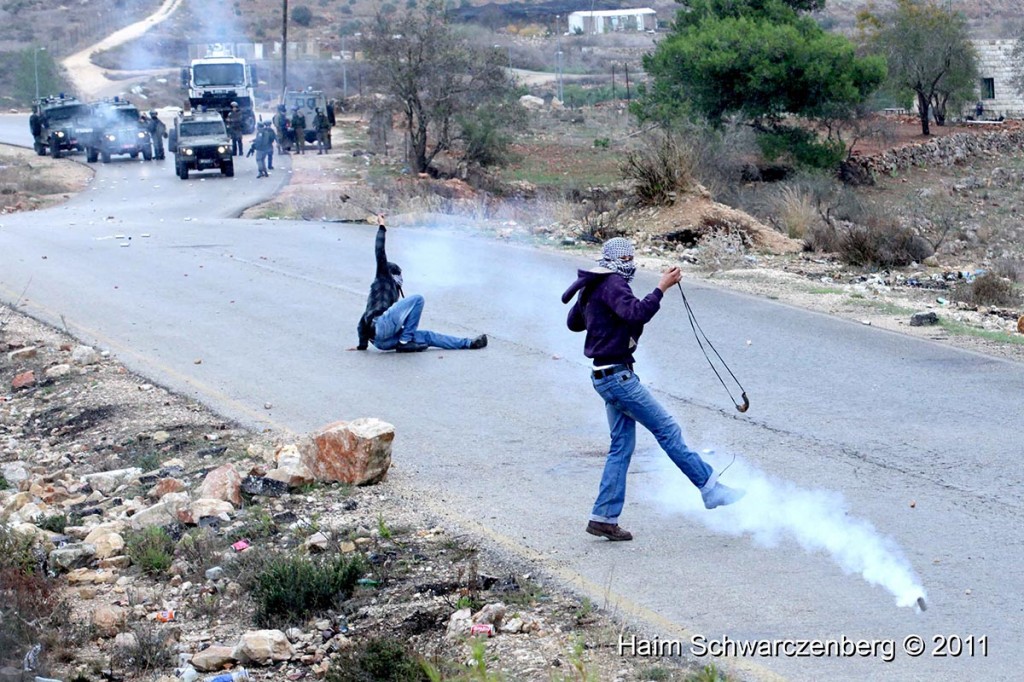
x,y
950,150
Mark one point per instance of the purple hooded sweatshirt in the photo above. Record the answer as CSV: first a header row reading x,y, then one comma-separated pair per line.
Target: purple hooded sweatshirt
x,y
611,315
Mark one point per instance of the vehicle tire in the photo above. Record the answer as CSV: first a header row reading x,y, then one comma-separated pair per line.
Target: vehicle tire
x,y
40,148
228,169
91,154
105,156
147,155
54,149
184,172
134,155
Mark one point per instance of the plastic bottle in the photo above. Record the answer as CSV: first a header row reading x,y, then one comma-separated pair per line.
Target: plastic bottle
x,y
187,674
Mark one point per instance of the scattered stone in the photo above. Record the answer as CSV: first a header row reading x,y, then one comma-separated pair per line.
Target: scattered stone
x,y
106,482
71,556
84,355
57,371
107,620
107,540
267,487
22,354
263,647
356,452
924,319
213,658
223,483
23,380
165,486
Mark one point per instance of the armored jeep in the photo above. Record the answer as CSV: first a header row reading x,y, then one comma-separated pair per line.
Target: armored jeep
x,y
59,124
118,129
199,141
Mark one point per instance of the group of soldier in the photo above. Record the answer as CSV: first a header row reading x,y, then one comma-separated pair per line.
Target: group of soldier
x,y
292,129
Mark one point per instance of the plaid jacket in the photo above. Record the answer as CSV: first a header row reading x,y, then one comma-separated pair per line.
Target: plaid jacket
x,y
383,292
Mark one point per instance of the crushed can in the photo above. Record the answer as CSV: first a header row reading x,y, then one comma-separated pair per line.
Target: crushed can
x,y
485,629
165,616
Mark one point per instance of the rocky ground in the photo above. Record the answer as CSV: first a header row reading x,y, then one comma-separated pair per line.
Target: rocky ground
x,y
92,456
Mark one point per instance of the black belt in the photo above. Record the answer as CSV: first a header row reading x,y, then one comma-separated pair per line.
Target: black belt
x,y
608,371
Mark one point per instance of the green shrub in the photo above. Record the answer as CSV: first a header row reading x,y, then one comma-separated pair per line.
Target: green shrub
x,y
302,15
150,651
987,289
17,550
803,147
55,523
287,589
882,243
660,169
381,660
4,485
152,549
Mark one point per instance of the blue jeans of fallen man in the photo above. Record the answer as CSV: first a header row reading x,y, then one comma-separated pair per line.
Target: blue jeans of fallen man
x,y
400,324
627,402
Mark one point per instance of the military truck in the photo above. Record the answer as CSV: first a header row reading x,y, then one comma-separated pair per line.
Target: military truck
x,y
117,130
215,81
199,141
59,124
308,101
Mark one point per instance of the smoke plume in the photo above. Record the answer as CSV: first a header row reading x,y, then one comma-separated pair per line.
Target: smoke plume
x,y
818,520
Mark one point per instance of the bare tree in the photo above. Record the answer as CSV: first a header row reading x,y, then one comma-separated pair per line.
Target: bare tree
x,y
435,76
928,51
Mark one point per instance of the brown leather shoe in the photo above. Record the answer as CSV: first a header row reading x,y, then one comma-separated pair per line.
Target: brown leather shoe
x,y
609,530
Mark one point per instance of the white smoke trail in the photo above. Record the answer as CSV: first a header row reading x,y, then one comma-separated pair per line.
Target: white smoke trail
x,y
817,520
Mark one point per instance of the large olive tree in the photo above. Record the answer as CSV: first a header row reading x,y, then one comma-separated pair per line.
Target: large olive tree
x,y
447,89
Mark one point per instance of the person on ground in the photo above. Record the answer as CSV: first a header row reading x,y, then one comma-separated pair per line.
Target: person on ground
x,y
613,319
391,320
299,128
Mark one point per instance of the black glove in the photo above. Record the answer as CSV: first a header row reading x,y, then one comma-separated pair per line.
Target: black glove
x,y
252,150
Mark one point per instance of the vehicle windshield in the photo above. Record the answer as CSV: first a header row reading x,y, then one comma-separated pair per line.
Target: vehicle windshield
x,y
67,113
118,115
200,128
218,74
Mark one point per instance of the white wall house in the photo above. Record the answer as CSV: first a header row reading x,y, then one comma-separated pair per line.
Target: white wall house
x,y
609,20
997,95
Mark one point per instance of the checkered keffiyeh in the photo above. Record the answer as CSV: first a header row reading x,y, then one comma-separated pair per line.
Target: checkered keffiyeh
x,y
613,250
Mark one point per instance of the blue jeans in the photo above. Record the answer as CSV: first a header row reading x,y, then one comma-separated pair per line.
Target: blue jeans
x,y
400,322
628,402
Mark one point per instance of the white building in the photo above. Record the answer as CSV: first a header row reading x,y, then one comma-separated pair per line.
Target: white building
x,y
995,72
609,20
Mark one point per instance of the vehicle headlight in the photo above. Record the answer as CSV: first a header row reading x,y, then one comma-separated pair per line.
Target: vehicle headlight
x,y
222,149
111,137
188,152
141,134
60,133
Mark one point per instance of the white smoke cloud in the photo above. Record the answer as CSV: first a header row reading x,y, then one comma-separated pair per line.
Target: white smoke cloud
x,y
818,520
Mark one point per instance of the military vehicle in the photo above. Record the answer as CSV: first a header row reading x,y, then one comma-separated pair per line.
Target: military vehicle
x,y
58,125
118,129
308,101
215,81
199,141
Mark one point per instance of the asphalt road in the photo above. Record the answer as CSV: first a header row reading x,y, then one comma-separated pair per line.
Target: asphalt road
x,y
920,441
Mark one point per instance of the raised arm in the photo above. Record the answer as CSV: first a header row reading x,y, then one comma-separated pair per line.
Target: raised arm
x,y
382,257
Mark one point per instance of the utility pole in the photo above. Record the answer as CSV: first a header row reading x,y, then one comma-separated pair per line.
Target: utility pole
x,y
558,34
626,68
35,66
344,69
284,49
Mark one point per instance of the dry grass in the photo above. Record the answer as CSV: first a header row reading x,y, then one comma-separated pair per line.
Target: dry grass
x,y
795,212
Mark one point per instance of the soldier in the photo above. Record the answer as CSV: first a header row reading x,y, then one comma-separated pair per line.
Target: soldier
x,y
157,131
37,123
281,128
323,130
299,127
236,126
268,130
261,144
